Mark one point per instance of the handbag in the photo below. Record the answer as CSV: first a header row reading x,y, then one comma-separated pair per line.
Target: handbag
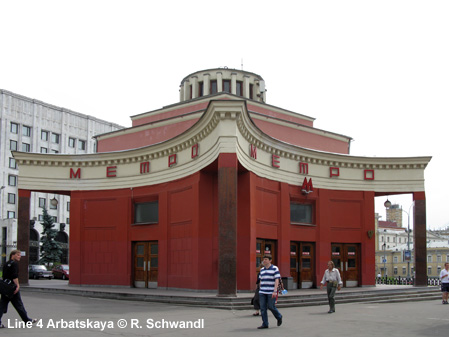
x,y
7,288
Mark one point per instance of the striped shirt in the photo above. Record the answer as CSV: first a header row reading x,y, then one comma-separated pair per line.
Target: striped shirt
x,y
268,278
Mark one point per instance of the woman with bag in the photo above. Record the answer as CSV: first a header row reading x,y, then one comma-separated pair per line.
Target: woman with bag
x,y
255,300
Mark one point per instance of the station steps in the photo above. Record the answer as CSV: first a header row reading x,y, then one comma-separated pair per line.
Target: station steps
x,y
243,302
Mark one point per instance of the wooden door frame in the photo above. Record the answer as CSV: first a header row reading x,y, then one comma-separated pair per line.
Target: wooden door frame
x,y
147,258
344,261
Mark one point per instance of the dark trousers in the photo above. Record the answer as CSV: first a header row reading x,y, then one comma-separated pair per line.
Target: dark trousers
x,y
267,302
331,289
16,301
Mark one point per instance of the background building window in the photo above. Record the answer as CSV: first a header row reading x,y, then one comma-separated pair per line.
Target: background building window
x,y
12,164
146,212
42,202
26,131
395,259
429,258
55,138
12,180
11,198
68,206
55,206
11,215
13,145
301,213
429,270
54,151
439,258
200,89
81,145
44,150
26,147
404,270
44,135
14,128
71,142
67,221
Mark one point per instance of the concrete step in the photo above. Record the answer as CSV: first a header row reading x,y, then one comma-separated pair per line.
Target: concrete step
x,y
243,302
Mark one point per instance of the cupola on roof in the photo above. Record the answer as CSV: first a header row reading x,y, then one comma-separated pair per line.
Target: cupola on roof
x,y
212,81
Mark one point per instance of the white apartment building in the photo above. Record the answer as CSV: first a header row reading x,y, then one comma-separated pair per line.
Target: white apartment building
x,y
30,125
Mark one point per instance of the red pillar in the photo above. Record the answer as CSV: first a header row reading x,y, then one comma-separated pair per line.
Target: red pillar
x,y
420,239
227,224
23,234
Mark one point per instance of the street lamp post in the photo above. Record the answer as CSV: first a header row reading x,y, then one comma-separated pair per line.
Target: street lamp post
x,y
408,241
1,199
387,205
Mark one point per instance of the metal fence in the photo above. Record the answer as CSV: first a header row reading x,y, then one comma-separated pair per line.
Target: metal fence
x,y
431,281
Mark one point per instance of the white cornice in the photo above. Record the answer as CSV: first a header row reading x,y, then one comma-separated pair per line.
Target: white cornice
x,y
225,127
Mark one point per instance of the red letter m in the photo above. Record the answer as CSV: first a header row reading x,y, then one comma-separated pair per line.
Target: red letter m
x,y
307,187
253,151
77,174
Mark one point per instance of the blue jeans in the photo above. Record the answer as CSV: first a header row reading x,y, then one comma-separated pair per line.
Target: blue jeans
x,y
268,302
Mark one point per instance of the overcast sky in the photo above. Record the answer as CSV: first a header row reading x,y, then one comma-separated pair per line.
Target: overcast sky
x,y
377,71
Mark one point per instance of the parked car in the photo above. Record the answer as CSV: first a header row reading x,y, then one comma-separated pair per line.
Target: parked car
x,y
37,271
61,271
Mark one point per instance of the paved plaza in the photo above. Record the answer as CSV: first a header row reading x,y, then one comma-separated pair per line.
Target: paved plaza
x,y
67,315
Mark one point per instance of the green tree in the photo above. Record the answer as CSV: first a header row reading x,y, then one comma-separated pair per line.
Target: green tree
x,y
50,249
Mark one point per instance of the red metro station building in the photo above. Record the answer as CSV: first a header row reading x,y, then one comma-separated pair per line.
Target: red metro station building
x,y
194,194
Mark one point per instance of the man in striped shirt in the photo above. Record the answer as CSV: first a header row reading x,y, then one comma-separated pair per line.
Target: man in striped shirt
x,y
269,281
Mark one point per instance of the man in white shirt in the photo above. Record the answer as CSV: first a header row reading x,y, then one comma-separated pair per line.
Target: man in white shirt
x,y
444,277
333,279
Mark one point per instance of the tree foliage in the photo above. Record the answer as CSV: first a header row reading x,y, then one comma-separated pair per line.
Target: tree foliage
x,y
50,249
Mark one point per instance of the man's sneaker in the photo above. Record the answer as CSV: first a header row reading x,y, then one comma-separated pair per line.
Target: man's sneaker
x,y
280,321
262,327
2,326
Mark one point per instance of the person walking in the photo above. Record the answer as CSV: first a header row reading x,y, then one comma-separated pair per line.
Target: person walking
x,y
269,281
444,277
332,278
11,272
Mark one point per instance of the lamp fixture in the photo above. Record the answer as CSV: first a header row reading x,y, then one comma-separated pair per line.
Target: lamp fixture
x,y
54,202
